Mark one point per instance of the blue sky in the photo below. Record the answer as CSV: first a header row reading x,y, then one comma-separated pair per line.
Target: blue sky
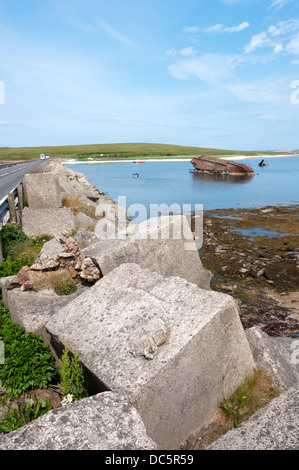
x,y
194,72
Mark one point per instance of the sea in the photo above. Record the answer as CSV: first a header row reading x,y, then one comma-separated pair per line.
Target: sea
x,y
172,185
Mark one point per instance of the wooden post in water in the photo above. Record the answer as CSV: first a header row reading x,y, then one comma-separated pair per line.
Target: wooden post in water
x,y
12,208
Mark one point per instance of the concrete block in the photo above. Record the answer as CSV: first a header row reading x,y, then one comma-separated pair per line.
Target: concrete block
x,y
274,358
83,220
173,349
84,237
32,310
47,221
102,422
274,427
163,244
43,191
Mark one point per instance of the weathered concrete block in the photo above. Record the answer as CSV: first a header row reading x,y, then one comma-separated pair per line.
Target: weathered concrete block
x,y
112,211
43,191
33,310
102,422
107,229
173,349
47,221
274,358
163,244
84,237
83,220
274,427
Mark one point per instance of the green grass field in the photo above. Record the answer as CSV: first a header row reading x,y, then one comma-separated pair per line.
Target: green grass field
x,y
115,151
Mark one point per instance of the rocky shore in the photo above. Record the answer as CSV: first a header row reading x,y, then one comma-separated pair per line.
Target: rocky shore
x,y
254,256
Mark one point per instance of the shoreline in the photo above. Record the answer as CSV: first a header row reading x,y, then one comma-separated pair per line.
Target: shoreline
x,y
241,157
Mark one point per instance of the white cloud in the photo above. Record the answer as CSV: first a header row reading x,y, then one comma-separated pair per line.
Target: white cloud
x,y
283,27
220,28
293,46
185,52
191,29
262,91
272,117
188,52
171,53
217,28
278,48
278,4
267,38
241,27
115,34
258,40
209,68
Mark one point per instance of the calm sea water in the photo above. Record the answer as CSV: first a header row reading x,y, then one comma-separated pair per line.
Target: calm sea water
x,y
172,183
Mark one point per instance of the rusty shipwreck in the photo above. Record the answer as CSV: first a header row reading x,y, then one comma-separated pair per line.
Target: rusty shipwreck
x,y
217,166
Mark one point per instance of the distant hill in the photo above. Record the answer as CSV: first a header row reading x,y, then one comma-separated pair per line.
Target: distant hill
x,y
115,151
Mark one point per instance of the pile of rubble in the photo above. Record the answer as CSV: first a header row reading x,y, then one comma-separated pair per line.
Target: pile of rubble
x,y
59,254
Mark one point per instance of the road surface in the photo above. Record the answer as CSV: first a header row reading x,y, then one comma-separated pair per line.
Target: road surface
x,y
11,176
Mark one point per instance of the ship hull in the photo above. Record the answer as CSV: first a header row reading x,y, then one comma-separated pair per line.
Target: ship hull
x,y
211,165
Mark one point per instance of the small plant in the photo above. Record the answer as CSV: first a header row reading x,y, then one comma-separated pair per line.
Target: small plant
x,y
62,283
234,408
65,289
71,376
29,363
255,393
24,414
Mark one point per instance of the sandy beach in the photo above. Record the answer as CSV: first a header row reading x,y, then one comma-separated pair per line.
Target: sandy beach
x,y
185,159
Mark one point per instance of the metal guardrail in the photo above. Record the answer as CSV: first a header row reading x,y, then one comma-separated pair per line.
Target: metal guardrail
x,y
8,164
10,210
4,209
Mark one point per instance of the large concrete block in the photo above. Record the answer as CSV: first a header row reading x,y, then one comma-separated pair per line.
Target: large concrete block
x,y
273,357
102,422
33,310
43,191
173,349
161,244
47,221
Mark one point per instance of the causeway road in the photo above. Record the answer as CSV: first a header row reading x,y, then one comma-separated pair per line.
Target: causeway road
x,y
11,176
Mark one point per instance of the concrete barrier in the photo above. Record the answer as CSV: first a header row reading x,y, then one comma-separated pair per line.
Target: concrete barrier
x,y
161,244
173,349
102,422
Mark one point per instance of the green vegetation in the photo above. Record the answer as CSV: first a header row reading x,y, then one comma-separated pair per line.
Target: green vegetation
x,y
61,281
29,363
15,418
11,235
64,284
18,249
247,399
72,381
116,151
